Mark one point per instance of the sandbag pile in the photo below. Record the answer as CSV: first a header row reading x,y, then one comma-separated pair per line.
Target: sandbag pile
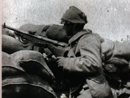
x,y
116,59
25,75
116,53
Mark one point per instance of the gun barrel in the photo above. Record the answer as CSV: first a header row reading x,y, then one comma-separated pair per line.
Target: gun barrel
x,y
39,39
52,41
13,29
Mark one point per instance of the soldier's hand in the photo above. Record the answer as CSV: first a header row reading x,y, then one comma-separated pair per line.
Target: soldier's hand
x,y
51,59
61,61
45,56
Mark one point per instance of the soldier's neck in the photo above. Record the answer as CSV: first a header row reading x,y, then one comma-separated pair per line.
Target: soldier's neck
x,y
76,31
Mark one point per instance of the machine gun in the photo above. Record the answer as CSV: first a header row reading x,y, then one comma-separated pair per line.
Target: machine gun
x,y
36,40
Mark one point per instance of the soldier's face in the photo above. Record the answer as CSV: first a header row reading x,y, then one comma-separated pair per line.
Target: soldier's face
x,y
69,29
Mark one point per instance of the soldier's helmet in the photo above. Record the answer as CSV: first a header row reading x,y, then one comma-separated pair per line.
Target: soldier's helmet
x,y
74,15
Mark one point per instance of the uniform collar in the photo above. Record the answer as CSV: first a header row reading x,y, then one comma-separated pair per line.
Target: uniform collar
x,y
79,34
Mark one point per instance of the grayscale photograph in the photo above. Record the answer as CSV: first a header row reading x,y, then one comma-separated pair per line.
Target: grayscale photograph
x,y
65,49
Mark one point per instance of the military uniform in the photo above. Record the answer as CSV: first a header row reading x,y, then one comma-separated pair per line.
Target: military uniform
x,y
84,57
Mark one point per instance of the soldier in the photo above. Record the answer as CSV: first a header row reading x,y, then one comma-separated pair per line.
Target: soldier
x,y
83,64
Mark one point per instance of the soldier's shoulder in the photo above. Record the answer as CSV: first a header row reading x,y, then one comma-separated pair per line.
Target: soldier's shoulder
x,y
87,30
89,33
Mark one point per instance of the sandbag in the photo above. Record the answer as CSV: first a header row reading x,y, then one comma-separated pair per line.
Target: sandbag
x,y
122,50
24,86
31,61
33,29
56,32
118,61
10,71
11,45
7,63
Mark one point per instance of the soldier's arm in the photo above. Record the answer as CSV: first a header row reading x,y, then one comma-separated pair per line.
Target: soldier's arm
x,y
90,59
57,50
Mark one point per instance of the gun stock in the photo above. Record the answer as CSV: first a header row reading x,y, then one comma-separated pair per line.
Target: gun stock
x,y
36,40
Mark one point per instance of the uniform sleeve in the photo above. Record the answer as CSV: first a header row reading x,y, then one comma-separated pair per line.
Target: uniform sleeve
x,y
90,59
